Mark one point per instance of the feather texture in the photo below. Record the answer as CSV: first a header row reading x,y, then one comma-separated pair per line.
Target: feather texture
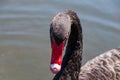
x,y
103,67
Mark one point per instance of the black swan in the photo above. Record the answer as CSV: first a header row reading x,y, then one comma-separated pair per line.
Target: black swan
x,y
66,28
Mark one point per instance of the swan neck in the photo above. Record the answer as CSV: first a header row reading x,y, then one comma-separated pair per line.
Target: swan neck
x,y
73,55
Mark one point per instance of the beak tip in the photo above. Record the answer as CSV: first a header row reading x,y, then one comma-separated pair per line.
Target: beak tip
x,y
55,68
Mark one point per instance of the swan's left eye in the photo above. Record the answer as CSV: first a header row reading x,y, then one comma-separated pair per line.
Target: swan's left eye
x,y
65,41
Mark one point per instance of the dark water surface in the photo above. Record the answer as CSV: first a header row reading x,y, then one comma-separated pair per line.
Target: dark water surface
x,y
24,33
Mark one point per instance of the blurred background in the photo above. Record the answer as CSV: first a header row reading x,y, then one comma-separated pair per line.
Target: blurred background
x,y
24,33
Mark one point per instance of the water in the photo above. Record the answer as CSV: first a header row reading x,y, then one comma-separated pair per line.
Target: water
x,y
24,33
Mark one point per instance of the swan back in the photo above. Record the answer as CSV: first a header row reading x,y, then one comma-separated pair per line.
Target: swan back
x,y
103,67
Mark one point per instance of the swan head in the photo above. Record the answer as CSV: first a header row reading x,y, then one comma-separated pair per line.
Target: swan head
x,y
59,34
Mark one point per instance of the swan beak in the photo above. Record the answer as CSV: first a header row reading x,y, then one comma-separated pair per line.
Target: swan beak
x,y
56,57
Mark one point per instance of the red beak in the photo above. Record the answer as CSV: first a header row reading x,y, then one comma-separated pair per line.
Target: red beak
x,y
56,58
